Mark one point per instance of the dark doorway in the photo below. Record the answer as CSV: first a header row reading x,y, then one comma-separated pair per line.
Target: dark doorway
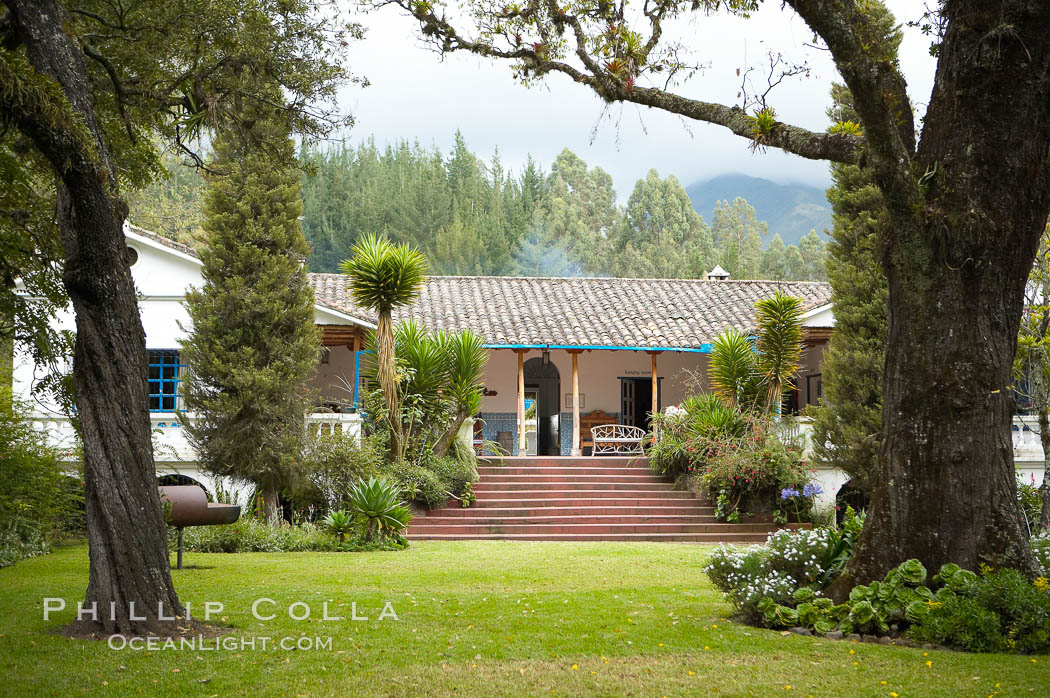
x,y
636,400
542,378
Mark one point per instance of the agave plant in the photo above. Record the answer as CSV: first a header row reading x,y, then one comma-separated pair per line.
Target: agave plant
x,y
378,501
383,276
340,523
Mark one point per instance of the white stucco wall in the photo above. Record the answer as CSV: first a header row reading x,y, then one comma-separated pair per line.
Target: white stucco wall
x,y
162,276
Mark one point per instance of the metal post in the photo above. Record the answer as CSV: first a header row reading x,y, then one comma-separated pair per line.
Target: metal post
x,y
178,562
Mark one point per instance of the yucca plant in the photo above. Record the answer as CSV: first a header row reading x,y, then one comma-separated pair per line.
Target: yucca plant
x,y
340,523
384,276
466,356
732,369
779,343
378,501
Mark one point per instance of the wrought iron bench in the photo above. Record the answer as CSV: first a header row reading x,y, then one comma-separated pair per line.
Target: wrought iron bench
x,y
617,438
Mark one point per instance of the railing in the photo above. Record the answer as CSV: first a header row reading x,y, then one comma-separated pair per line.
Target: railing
x,y
1024,430
1027,443
169,436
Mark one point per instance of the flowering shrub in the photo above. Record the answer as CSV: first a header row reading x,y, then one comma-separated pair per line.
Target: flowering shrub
x,y
789,560
1041,548
796,501
743,459
779,586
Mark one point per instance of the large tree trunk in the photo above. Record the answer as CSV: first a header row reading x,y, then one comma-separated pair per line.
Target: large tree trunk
x,y
271,504
129,568
945,489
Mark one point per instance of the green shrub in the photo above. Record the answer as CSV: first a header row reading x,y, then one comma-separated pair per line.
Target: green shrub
x,y
334,464
1030,500
999,611
252,535
419,484
37,499
455,475
960,622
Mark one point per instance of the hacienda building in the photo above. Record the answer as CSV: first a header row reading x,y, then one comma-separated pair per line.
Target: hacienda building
x,y
565,354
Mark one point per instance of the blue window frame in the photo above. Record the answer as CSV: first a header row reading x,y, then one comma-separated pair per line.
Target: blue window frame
x,y
164,370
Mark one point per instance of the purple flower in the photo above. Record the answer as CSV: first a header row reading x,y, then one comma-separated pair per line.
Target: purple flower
x,y
788,493
812,490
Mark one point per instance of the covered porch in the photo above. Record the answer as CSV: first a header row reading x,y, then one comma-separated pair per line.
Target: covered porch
x,y
543,399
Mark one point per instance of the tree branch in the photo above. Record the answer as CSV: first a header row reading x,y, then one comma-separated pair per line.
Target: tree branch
x,y
879,92
619,85
118,87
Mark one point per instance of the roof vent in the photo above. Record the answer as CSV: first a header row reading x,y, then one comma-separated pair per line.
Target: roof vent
x,y
717,274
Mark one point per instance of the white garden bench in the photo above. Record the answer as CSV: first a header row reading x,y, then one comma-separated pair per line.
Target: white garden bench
x,y
617,438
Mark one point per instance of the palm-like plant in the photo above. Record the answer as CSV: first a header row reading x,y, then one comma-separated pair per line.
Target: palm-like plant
x,y
340,523
378,501
466,356
384,276
732,369
779,343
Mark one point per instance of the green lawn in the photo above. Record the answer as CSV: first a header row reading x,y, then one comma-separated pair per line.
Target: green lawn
x,y
475,618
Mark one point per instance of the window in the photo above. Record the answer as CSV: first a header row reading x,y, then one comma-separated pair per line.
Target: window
x,y
163,379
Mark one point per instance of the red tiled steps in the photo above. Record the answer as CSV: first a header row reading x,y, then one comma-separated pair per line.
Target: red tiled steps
x,y
580,499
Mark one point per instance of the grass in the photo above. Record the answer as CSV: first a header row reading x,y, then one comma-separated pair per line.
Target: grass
x,y
479,618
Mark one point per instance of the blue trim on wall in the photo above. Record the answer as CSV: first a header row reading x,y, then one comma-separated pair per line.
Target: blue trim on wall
x,y
703,349
357,375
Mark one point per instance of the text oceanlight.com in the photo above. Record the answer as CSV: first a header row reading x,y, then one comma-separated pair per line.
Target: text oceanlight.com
x,y
199,643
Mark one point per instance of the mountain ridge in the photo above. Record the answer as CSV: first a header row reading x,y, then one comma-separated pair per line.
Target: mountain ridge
x,y
791,210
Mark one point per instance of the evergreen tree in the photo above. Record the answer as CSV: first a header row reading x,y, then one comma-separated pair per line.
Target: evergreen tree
x,y
171,205
253,344
813,252
848,423
738,236
662,235
774,260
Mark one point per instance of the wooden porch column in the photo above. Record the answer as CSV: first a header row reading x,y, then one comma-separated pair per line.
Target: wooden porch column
x,y
576,450
521,402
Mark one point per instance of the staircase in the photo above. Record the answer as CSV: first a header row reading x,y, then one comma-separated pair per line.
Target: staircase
x,y
580,499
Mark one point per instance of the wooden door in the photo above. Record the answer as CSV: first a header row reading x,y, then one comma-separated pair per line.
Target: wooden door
x,y
628,408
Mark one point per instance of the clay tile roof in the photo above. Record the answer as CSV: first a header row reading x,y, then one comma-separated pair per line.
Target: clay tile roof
x,y
640,313
573,312
160,239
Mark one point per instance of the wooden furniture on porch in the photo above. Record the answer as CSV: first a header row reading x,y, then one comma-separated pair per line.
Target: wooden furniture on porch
x,y
589,420
620,439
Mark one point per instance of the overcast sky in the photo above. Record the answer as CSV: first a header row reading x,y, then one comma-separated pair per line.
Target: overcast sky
x,y
416,95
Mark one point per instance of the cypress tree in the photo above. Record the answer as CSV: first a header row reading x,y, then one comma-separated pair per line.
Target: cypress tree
x,y
253,344
848,423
